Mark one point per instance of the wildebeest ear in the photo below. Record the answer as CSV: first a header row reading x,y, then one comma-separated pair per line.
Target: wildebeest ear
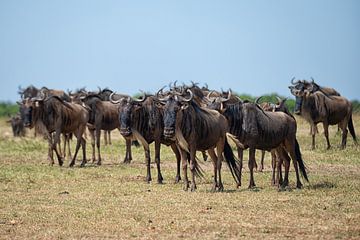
x,y
18,103
184,106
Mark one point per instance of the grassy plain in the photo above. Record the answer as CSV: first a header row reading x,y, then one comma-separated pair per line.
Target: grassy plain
x,y
113,201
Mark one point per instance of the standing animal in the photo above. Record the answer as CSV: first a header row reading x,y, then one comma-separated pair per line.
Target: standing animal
x,y
196,128
257,129
142,119
316,107
17,126
103,115
52,115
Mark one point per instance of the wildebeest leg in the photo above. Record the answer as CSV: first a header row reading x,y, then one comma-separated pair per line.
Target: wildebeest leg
x,y
59,147
97,137
290,148
50,150
313,130
184,159
109,137
105,137
55,142
219,152
192,167
64,149
344,134
240,152
68,144
157,160
178,161
261,167
286,160
147,161
251,167
279,160
78,142
273,166
128,156
83,146
214,159
326,133
92,136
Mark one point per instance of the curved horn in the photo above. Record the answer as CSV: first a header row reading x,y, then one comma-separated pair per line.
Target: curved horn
x,y
312,80
141,99
258,99
292,81
279,99
190,98
209,94
99,89
228,97
159,93
114,101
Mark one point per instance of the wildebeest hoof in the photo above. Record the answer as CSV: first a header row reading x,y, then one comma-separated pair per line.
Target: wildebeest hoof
x,y
99,163
71,164
177,179
126,160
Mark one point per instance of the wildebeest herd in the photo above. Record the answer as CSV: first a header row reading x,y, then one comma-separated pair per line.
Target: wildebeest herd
x,y
188,118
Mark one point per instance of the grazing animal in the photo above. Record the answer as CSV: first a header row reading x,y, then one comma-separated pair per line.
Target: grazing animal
x,y
28,92
257,129
52,115
196,128
103,115
142,119
17,126
316,107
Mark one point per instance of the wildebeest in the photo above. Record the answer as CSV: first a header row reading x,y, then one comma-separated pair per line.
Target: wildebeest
x,y
142,119
313,87
257,129
103,115
28,92
316,107
17,126
196,128
54,115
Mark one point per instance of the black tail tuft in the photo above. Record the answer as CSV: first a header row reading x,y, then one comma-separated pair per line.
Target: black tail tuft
x,y
233,163
135,143
351,129
198,170
300,161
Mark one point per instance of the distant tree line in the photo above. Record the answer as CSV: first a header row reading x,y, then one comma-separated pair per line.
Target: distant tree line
x,y
9,108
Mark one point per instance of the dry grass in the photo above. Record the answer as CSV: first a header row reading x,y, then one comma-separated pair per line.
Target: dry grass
x,y
113,201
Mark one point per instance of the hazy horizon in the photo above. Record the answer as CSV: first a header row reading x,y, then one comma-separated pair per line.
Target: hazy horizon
x,y
252,47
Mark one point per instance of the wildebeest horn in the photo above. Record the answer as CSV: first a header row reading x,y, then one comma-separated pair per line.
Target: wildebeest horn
x,y
292,81
228,97
190,98
99,89
112,100
141,99
279,99
159,95
258,99
209,94
312,80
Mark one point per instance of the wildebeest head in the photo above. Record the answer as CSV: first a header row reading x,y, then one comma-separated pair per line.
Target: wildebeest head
x,y
173,104
28,92
299,90
218,102
27,109
128,106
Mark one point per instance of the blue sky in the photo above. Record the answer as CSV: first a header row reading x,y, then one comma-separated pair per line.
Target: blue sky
x,y
253,47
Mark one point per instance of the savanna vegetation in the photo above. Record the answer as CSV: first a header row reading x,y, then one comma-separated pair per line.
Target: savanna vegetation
x,y
113,201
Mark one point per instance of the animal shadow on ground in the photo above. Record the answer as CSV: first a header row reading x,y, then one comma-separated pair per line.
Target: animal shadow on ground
x,y
322,185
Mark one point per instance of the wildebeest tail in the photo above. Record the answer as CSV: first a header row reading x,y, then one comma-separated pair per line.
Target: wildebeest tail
x,y
233,163
300,161
351,129
198,170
